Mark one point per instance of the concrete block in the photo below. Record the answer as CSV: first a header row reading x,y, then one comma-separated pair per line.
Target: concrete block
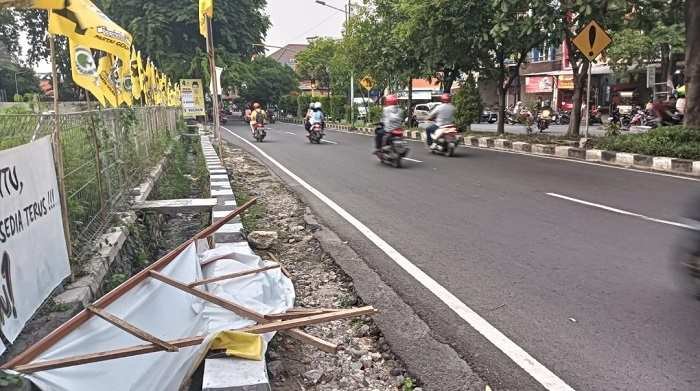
x,y
502,143
696,168
486,142
577,153
561,151
234,374
522,146
643,161
177,206
111,243
471,140
662,163
608,156
80,295
624,158
594,154
216,193
682,165
544,149
230,228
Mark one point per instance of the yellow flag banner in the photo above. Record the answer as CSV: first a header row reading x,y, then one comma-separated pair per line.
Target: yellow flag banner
x,y
41,4
84,23
142,73
84,70
107,83
135,75
206,8
125,84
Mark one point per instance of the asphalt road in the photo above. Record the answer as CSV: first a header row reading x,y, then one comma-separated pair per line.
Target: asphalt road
x,y
587,292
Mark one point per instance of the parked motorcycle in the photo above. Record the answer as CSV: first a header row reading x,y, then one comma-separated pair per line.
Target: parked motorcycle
x,y
394,148
447,138
595,116
563,118
259,132
315,134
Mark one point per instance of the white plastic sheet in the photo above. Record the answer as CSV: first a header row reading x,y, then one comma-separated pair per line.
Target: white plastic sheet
x,y
168,313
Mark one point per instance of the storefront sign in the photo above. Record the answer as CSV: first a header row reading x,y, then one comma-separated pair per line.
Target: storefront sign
x,y
566,82
33,254
538,84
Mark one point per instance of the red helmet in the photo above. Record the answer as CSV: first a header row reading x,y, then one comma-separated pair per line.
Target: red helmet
x,y
391,100
445,98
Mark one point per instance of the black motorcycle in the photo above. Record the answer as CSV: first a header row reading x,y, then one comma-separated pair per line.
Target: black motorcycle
x,y
394,148
315,133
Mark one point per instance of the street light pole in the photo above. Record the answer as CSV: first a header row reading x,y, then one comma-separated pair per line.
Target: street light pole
x,y
16,85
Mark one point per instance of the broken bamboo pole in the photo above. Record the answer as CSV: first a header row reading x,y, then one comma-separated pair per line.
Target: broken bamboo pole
x,y
232,276
131,329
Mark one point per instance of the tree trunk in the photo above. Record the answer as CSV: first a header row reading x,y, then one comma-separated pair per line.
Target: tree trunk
x,y
692,64
501,128
410,102
580,82
665,69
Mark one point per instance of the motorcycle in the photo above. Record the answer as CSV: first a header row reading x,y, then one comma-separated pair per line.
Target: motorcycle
x,y
259,132
563,118
315,134
447,138
623,120
394,148
595,116
544,119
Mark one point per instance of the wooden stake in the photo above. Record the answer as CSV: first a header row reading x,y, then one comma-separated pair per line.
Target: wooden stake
x,y
131,329
229,305
190,341
232,275
319,343
42,345
291,314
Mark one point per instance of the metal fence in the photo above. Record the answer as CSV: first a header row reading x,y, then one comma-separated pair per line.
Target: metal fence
x,y
106,153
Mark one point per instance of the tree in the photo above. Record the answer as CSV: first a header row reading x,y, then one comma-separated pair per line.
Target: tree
x,y
692,65
468,104
313,63
515,29
262,80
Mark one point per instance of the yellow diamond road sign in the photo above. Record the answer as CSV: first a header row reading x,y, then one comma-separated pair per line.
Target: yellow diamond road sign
x,y
592,40
367,83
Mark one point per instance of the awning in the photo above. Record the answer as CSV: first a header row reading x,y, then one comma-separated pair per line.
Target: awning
x,y
602,69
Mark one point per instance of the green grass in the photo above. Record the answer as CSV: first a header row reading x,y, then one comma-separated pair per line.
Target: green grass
x,y
251,217
668,141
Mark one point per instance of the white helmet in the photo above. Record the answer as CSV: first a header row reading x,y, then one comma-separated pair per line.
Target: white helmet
x,y
317,105
311,105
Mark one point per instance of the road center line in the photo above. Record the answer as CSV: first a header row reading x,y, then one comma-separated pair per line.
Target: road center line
x,y
518,355
624,212
413,160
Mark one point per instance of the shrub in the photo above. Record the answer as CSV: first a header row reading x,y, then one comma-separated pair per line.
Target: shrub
x,y
670,141
468,103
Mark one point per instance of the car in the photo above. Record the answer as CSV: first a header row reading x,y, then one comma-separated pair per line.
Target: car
x,y
488,115
421,111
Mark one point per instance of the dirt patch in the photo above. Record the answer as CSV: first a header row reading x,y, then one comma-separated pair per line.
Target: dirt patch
x,y
366,362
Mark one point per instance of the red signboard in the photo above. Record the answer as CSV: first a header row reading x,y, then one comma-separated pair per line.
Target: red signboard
x,y
538,84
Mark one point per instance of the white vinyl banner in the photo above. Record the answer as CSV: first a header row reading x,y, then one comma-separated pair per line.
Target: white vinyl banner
x,y
32,246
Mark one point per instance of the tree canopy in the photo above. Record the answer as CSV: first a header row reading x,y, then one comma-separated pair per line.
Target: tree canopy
x,y
263,80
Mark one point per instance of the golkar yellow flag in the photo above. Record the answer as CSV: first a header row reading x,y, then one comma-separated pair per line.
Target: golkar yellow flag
x,y
107,80
84,70
41,4
125,83
135,75
206,8
84,23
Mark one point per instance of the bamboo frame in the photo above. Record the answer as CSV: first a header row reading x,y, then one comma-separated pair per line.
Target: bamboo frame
x,y
319,343
190,341
45,343
231,276
131,329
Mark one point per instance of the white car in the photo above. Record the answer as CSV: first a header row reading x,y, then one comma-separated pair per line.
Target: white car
x,y
421,111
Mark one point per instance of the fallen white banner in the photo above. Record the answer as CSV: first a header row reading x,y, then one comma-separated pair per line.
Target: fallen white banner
x,y
34,259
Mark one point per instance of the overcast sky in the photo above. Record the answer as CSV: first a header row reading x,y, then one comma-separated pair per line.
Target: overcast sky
x,y
295,20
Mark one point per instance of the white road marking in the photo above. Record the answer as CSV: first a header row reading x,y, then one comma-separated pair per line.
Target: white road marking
x,y
413,160
293,134
624,212
328,142
518,355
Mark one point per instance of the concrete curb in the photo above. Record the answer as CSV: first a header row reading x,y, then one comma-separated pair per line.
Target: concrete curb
x,y
219,373
625,159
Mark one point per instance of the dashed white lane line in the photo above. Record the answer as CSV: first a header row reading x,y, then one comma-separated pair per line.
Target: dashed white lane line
x,y
413,160
329,142
624,212
518,355
293,134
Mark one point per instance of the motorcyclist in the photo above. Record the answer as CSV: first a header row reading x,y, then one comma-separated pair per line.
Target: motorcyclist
x,y
680,103
443,114
317,116
257,116
307,117
392,118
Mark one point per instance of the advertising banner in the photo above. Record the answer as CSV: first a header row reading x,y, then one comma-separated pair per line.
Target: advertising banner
x,y
566,82
192,97
537,84
33,255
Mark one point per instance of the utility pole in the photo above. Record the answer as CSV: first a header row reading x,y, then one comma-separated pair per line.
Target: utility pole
x,y
214,85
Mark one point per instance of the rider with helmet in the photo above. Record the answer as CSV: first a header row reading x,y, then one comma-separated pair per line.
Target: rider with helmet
x,y
392,118
257,116
317,116
307,117
443,114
